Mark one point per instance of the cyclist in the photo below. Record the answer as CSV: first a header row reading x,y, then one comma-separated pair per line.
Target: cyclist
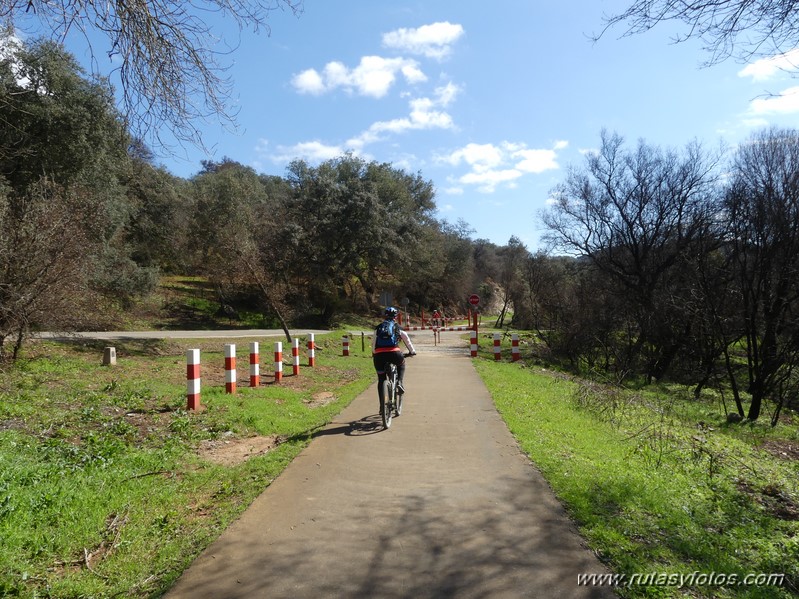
x,y
385,349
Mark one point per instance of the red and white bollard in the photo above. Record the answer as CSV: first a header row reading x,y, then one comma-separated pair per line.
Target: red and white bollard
x,y
255,365
474,344
193,379
295,355
345,346
278,361
230,368
311,350
514,349
497,348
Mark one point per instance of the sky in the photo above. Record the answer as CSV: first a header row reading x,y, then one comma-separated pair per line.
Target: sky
x,y
492,102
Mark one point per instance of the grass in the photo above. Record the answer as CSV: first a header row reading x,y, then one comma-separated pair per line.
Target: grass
x,y
657,482
104,489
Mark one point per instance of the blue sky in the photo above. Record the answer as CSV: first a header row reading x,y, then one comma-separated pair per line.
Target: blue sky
x,y
491,101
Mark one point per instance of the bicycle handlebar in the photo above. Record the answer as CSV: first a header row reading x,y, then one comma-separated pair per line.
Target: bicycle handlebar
x,y
409,354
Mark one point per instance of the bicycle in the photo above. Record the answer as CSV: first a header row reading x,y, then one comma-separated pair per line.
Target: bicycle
x,y
391,402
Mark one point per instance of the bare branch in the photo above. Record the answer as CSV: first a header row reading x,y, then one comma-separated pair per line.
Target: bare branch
x,y
743,29
165,53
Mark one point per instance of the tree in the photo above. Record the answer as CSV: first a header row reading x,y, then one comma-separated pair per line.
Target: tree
x,y
352,229
167,51
45,263
762,209
513,257
56,123
160,216
63,159
742,28
238,225
637,216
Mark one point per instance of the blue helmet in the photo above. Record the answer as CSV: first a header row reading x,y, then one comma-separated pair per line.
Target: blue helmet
x,y
391,312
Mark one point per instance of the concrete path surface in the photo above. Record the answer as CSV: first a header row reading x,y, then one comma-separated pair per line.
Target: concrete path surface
x,y
442,504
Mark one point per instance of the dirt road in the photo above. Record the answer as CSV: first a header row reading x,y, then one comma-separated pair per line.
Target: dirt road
x,y
443,504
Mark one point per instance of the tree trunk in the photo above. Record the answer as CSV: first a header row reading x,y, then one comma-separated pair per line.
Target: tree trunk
x,y
733,384
501,318
269,300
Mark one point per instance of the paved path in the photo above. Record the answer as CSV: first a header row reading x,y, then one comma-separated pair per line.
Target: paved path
x,y
441,505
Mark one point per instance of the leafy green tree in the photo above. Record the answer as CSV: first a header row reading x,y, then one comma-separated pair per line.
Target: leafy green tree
x,y
62,145
56,123
353,228
158,228
234,224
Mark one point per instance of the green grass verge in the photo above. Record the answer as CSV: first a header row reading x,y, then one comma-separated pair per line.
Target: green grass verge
x,y
104,490
658,483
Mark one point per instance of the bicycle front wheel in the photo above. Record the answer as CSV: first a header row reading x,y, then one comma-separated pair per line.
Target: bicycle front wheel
x,y
386,403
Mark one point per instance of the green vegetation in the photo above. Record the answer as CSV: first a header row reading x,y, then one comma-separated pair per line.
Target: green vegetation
x,y
658,481
110,487
681,271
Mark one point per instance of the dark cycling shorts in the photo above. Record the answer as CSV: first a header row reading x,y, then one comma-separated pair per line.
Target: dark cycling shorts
x,y
380,360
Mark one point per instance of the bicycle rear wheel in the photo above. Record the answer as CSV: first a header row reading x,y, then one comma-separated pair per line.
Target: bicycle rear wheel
x,y
386,403
398,403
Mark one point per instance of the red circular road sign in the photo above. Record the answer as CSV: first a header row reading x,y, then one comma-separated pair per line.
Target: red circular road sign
x,y
474,299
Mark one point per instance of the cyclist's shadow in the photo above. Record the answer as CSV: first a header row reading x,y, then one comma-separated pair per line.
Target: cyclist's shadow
x,y
368,425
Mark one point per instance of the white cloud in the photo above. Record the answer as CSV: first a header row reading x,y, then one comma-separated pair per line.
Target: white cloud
x,y
765,68
309,82
487,181
480,157
425,113
536,161
492,165
433,41
373,76
312,151
786,102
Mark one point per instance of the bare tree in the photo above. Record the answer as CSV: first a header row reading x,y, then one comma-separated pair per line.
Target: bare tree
x,y
167,51
637,216
45,263
740,28
763,214
513,256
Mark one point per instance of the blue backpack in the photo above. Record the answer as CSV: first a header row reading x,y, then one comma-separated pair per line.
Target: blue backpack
x,y
387,334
